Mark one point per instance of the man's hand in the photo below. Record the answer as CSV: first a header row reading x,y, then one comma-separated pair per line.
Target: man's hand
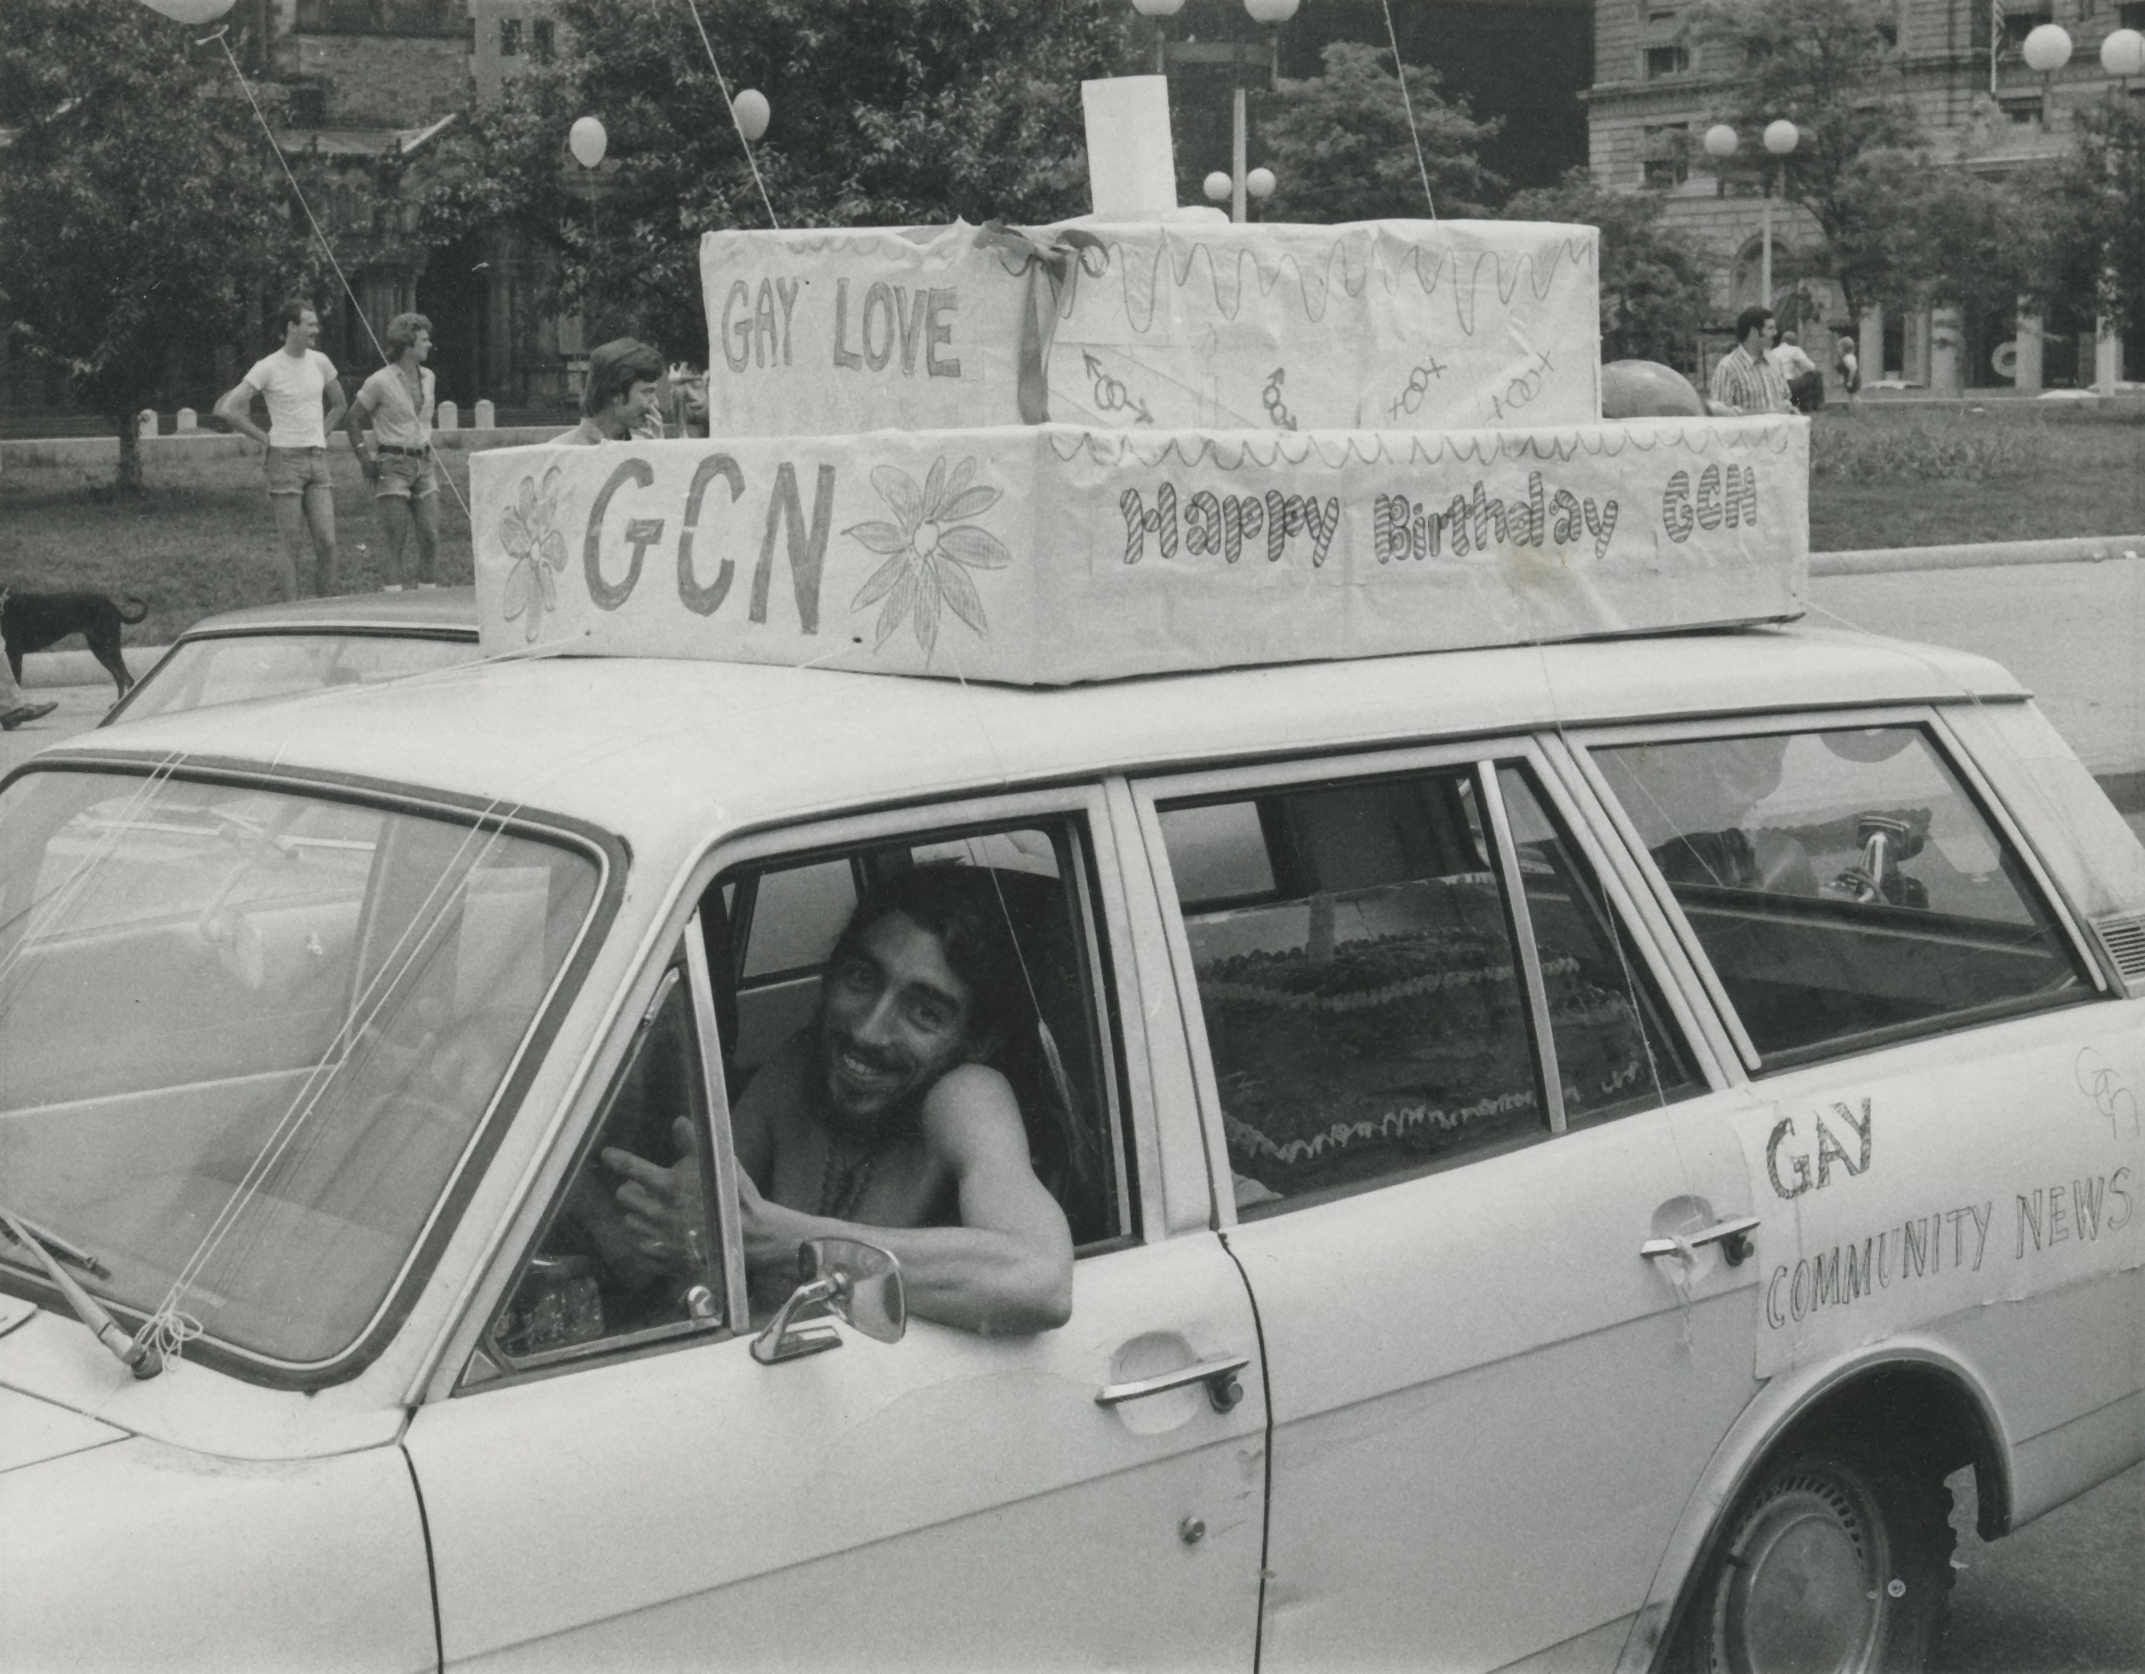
x,y
662,1207
772,1233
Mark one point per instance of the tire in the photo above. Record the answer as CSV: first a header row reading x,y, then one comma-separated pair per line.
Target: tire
x,y
1834,1562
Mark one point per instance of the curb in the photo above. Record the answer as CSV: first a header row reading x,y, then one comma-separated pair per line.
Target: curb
x,y
42,670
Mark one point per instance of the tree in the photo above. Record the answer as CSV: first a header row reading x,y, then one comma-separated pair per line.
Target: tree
x,y
1653,287
1831,67
141,214
2097,216
1978,244
886,113
1340,148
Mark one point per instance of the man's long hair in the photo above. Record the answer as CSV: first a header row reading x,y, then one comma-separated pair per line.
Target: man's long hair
x,y
984,934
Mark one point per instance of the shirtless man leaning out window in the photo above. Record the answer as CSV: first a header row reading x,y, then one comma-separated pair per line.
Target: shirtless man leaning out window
x,y
886,1120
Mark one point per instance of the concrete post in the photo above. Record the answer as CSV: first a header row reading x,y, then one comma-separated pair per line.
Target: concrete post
x,y
447,416
2028,376
145,424
1947,346
2107,356
188,421
487,416
1871,349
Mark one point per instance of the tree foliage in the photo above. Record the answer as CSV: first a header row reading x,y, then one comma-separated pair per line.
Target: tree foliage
x,y
141,213
1831,67
1979,245
886,113
2096,216
1340,148
1653,286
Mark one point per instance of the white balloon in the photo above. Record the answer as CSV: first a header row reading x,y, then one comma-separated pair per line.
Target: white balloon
x,y
587,140
190,11
752,112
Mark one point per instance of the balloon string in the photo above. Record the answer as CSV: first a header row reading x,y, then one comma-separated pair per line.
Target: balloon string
x,y
222,39
730,105
1408,105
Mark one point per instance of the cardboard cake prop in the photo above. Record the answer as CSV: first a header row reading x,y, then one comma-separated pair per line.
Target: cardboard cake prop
x,y
1377,325
1054,554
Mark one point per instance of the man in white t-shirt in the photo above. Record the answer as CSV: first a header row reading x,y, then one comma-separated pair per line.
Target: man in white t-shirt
x,y
294,381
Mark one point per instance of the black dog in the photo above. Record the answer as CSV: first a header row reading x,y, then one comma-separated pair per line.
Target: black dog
x,y
32,621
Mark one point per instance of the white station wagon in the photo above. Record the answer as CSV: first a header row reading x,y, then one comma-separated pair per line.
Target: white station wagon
x,y
1568,1148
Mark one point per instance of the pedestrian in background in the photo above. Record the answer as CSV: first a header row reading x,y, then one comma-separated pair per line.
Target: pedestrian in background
x,y
294,381
1849,366
1745,380
14,709
400,465
1805,383
618,400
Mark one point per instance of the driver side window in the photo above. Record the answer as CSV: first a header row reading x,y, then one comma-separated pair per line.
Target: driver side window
x,y
632,1251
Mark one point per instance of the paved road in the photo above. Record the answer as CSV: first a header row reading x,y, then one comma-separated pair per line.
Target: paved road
x,y
2068,1592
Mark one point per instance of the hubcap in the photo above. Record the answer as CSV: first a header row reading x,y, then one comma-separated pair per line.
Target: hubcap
x,y
1804,1592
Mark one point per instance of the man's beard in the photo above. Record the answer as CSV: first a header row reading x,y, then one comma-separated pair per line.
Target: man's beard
x,y
884,1125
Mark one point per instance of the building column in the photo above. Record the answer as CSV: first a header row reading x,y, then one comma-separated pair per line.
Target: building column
x,y
1947,338
1871,349
2027,377
2107,356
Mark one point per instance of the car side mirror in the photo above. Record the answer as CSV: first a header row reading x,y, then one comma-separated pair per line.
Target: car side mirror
x,y
858,1283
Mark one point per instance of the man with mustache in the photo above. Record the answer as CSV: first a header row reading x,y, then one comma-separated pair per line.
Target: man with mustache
x,y
888,1120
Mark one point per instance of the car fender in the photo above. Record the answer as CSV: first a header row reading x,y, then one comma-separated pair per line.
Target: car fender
x,y
1777,1408
139,1552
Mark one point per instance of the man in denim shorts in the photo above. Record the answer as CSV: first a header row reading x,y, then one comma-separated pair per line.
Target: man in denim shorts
x,y
294,380
398,399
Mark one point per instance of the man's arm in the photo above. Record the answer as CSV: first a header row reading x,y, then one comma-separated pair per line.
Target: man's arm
x,y
337,405
353,424
236,410
1006,1269
1721,391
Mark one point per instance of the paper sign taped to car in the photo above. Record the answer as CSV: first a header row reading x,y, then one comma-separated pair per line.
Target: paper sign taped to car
x,y
1397,325
1053,554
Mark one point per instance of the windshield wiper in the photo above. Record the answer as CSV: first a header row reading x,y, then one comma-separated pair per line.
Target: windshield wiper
x,y
141,1358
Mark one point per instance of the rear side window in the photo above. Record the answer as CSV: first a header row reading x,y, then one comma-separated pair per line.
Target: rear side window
x,y
1364,994
1844,884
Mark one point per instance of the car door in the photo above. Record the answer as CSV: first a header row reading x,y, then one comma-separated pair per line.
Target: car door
x,y
1457,1096
642,1492
1947,1137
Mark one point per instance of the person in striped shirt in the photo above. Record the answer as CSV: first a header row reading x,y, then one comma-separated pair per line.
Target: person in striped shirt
x,y
1745,380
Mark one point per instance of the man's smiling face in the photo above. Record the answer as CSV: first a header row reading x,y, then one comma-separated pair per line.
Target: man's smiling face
x,y
893,1018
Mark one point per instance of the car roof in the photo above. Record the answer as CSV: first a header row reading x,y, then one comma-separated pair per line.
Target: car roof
x,y
429,611
667,753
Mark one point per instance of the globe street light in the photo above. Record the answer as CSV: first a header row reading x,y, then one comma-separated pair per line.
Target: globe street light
x,y
1270,13
1159,9
2047,49
1780,137
2122,54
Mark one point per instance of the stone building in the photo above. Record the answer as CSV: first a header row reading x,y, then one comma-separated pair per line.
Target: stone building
x,y
1654,95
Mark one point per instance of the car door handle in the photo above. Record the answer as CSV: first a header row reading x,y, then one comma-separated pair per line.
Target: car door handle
x,y
1218,1375
1733,1237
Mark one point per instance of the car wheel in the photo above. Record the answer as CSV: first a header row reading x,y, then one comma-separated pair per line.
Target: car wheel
x,y
1833,1563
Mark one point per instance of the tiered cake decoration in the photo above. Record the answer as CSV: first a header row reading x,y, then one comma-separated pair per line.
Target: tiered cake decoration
x,y
1141,443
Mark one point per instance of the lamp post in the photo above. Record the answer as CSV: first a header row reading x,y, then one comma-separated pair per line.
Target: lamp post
x,y
2047,50
1272,14
1781,137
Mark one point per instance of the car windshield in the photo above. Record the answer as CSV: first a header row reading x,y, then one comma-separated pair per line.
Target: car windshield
x,y
202,672
247,1035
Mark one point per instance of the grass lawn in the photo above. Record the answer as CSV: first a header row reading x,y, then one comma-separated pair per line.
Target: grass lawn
x,y
202,538
1902,475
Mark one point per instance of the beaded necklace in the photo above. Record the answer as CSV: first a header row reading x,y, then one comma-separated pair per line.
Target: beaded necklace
x,y
845,1179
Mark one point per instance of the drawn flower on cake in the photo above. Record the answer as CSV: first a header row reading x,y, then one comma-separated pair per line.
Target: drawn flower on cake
x,y
528,531
930,547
